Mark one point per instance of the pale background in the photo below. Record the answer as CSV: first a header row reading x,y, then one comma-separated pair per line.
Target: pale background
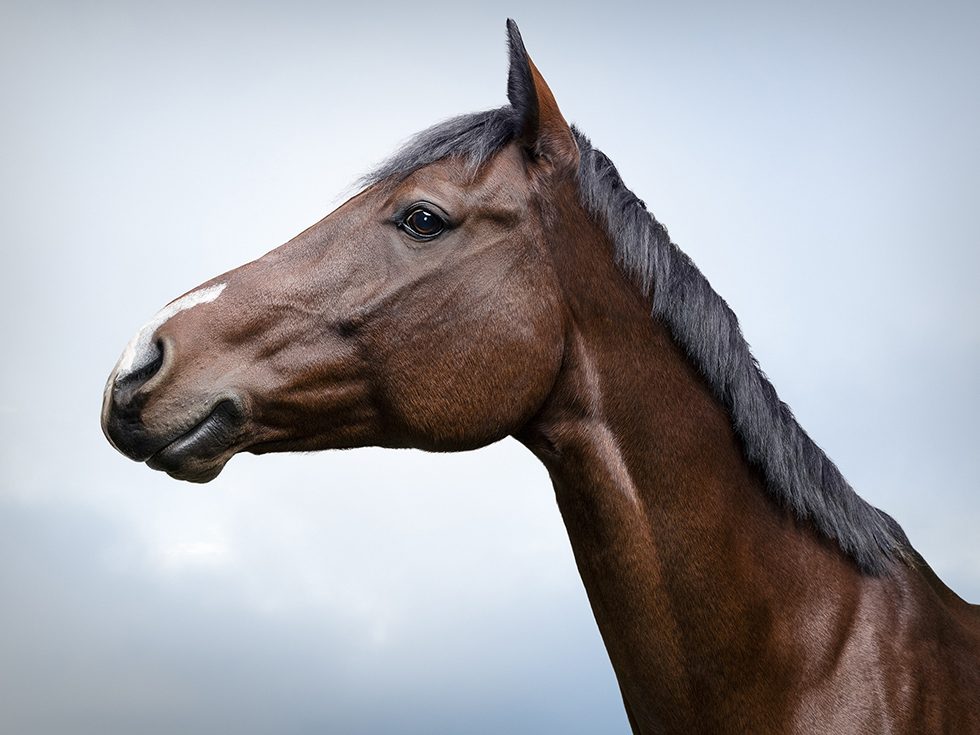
x,y
819,163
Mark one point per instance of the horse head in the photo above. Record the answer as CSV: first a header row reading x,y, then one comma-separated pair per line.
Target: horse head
x,y
423,312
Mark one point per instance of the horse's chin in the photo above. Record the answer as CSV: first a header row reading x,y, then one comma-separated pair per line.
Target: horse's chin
x,y
199,454
195,469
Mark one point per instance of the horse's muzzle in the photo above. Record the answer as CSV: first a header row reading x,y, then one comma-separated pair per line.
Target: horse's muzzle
x,y
191,447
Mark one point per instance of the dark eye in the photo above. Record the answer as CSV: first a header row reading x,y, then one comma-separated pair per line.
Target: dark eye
x,y
423,224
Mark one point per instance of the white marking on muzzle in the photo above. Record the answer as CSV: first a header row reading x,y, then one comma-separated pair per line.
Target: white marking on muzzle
x,y
135,354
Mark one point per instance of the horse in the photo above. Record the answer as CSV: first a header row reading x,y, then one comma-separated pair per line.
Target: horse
x,y
495,278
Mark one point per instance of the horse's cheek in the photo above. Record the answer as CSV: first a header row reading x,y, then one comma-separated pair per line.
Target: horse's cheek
x,y
472,384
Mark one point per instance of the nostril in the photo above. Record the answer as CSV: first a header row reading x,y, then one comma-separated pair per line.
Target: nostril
x,y
145,367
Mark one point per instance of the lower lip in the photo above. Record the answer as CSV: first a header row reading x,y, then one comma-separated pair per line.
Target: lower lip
x,y
212,436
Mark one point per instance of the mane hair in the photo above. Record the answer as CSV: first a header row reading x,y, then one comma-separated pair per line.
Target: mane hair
x,y
472,138
798,475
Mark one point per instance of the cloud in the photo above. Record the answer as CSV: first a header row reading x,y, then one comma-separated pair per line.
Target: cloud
x,y
92,645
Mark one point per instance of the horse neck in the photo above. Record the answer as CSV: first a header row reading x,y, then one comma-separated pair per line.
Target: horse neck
x,y
698,582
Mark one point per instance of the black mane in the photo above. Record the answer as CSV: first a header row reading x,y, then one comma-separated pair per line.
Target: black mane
x,y
798,474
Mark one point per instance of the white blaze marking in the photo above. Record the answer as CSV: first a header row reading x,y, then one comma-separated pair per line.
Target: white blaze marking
x,y
139,344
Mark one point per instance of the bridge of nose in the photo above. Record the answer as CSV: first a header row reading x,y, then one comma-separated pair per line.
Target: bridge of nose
x,y
143,350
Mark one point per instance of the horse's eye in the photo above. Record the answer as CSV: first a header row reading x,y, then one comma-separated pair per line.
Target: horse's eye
x,y
422,224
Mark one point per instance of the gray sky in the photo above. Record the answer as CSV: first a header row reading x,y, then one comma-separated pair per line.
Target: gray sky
x,y
819,163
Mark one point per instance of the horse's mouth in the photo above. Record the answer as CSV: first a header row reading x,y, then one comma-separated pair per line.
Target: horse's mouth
x,y
200,453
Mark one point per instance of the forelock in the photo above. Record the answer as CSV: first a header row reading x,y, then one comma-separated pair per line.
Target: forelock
x,y
473,138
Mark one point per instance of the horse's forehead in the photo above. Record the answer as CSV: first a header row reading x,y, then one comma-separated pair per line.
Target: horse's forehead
x,y
502,174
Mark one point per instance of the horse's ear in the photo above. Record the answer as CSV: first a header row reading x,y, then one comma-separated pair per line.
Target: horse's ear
x,y
544,131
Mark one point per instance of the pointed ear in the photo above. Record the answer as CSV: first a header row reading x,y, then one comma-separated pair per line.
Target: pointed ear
x,y
544,131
